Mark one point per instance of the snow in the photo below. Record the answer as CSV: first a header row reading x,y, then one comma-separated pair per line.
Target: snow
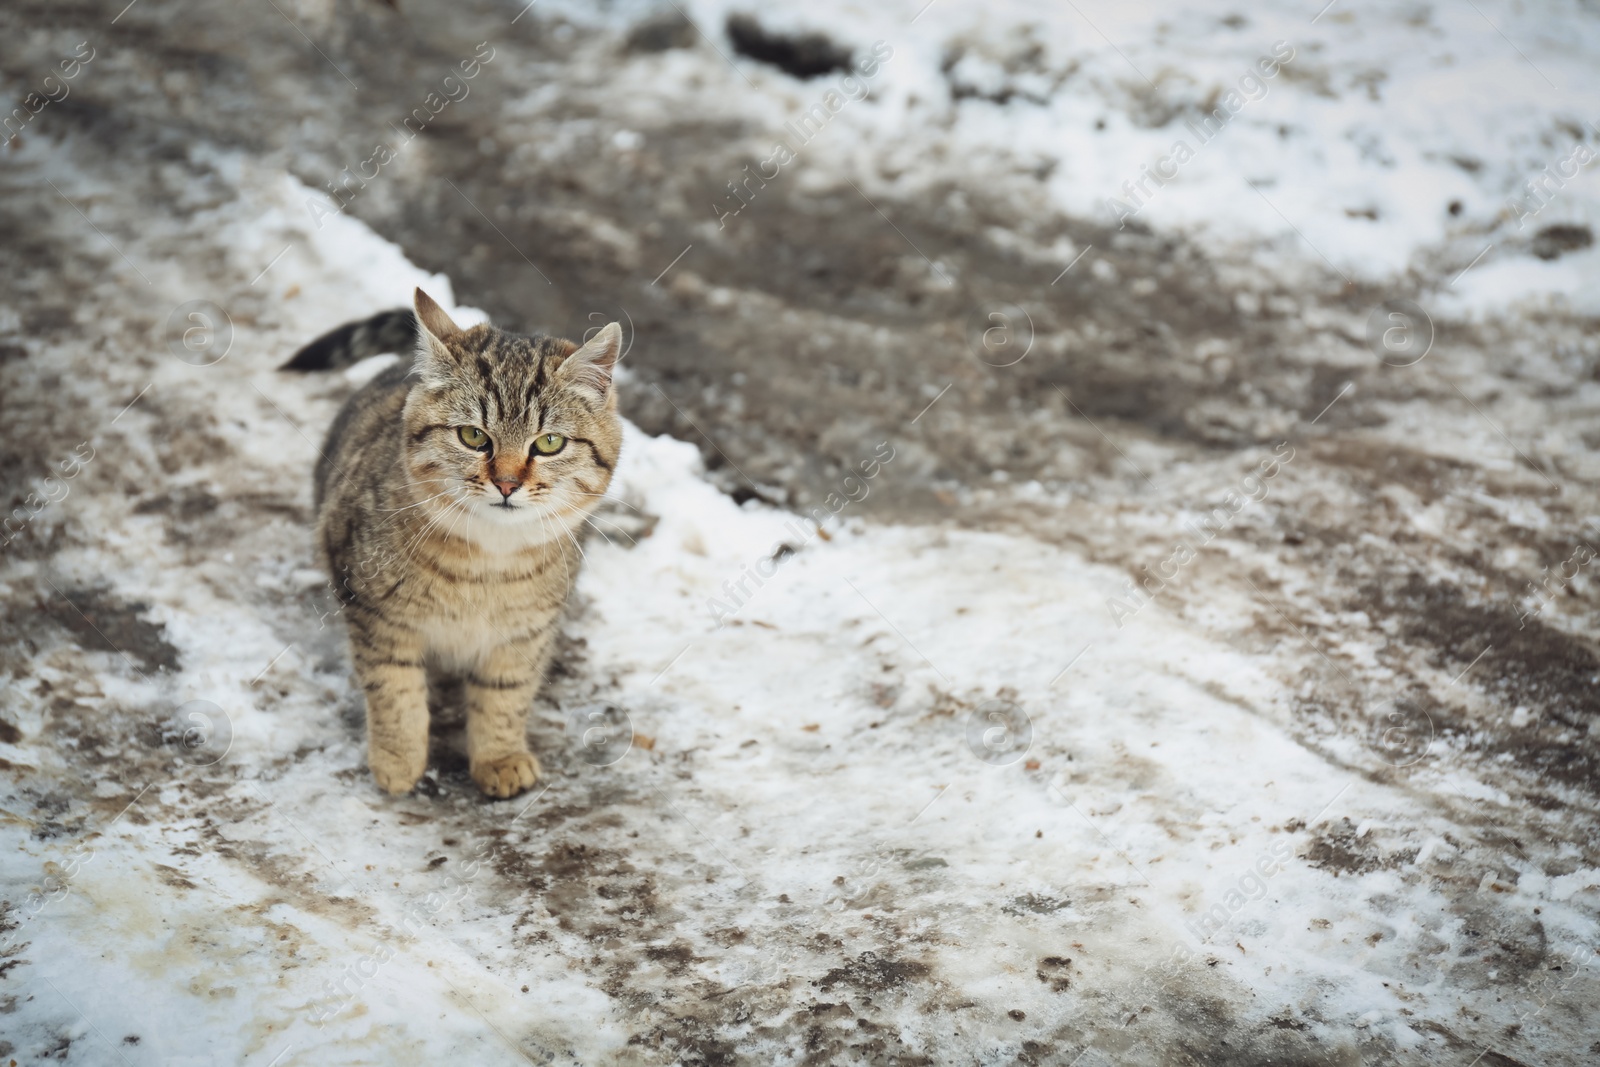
x,y
807,719
806,714
1347,158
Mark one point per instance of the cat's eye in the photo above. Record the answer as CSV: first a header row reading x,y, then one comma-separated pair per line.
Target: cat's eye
x,y
473,437
548,444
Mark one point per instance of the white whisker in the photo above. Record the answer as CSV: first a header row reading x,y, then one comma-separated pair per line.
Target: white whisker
x,y
544,523
590,519
409,549
577,545
603,496
419,503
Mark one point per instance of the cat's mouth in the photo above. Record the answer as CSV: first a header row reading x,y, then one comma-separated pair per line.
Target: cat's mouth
x,y
515,506
530,498
525,502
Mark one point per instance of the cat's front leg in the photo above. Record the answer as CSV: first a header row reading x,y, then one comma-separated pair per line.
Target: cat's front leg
x,y
388,662
500,691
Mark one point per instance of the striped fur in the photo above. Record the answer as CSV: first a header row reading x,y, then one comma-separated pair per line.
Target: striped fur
x,y
441,574
387,331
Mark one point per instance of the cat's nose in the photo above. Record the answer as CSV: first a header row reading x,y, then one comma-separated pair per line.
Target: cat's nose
x,y
506,487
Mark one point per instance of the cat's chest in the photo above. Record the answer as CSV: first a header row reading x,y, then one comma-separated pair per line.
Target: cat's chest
x,y
463,617
476,594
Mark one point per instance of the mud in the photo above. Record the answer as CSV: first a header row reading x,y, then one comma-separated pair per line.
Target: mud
x,y
1385,564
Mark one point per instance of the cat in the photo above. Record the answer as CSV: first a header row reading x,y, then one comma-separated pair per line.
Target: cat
x,y
449,496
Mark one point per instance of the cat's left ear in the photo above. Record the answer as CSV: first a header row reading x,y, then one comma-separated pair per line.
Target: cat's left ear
x,y
435,329
589,368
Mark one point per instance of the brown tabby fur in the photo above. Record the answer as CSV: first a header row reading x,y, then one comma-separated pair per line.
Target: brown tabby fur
x,y
441,574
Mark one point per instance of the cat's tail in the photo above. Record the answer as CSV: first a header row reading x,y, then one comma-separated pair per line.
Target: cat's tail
x,y
387,331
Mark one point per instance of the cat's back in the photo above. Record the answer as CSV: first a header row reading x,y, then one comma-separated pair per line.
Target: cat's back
x,y
366,434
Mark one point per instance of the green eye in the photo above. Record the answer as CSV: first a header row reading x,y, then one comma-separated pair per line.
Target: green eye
x,y
548,444
473,437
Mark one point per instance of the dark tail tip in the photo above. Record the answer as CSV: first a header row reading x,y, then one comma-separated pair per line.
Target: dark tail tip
x,y
387,331
318,355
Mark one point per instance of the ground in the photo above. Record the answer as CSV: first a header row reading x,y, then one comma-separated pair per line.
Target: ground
x,y
1047,613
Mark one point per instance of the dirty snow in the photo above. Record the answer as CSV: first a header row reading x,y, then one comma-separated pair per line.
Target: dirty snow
x,y
890,791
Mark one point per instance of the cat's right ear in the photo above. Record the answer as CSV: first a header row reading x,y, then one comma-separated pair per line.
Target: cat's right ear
x,y
435,329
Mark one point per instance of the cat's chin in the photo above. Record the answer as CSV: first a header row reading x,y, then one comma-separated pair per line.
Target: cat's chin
x,y
502,529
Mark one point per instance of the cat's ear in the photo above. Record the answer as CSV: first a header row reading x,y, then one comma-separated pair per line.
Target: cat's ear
x,y
435,328
433,317
589,368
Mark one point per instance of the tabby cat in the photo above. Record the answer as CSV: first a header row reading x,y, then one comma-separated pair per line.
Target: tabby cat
x,y
450,496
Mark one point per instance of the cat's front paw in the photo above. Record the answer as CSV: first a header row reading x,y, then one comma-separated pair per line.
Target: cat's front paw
x,y
396,774
506,776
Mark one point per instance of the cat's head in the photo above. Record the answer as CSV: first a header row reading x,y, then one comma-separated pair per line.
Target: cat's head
x,y
514,437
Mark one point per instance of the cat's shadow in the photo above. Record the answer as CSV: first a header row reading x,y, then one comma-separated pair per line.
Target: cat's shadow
x,y
447,728
447,722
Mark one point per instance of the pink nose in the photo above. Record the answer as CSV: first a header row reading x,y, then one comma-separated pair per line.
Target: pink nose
x,y
506,488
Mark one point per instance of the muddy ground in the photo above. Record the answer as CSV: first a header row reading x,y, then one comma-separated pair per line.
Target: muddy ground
x,y
1388,567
